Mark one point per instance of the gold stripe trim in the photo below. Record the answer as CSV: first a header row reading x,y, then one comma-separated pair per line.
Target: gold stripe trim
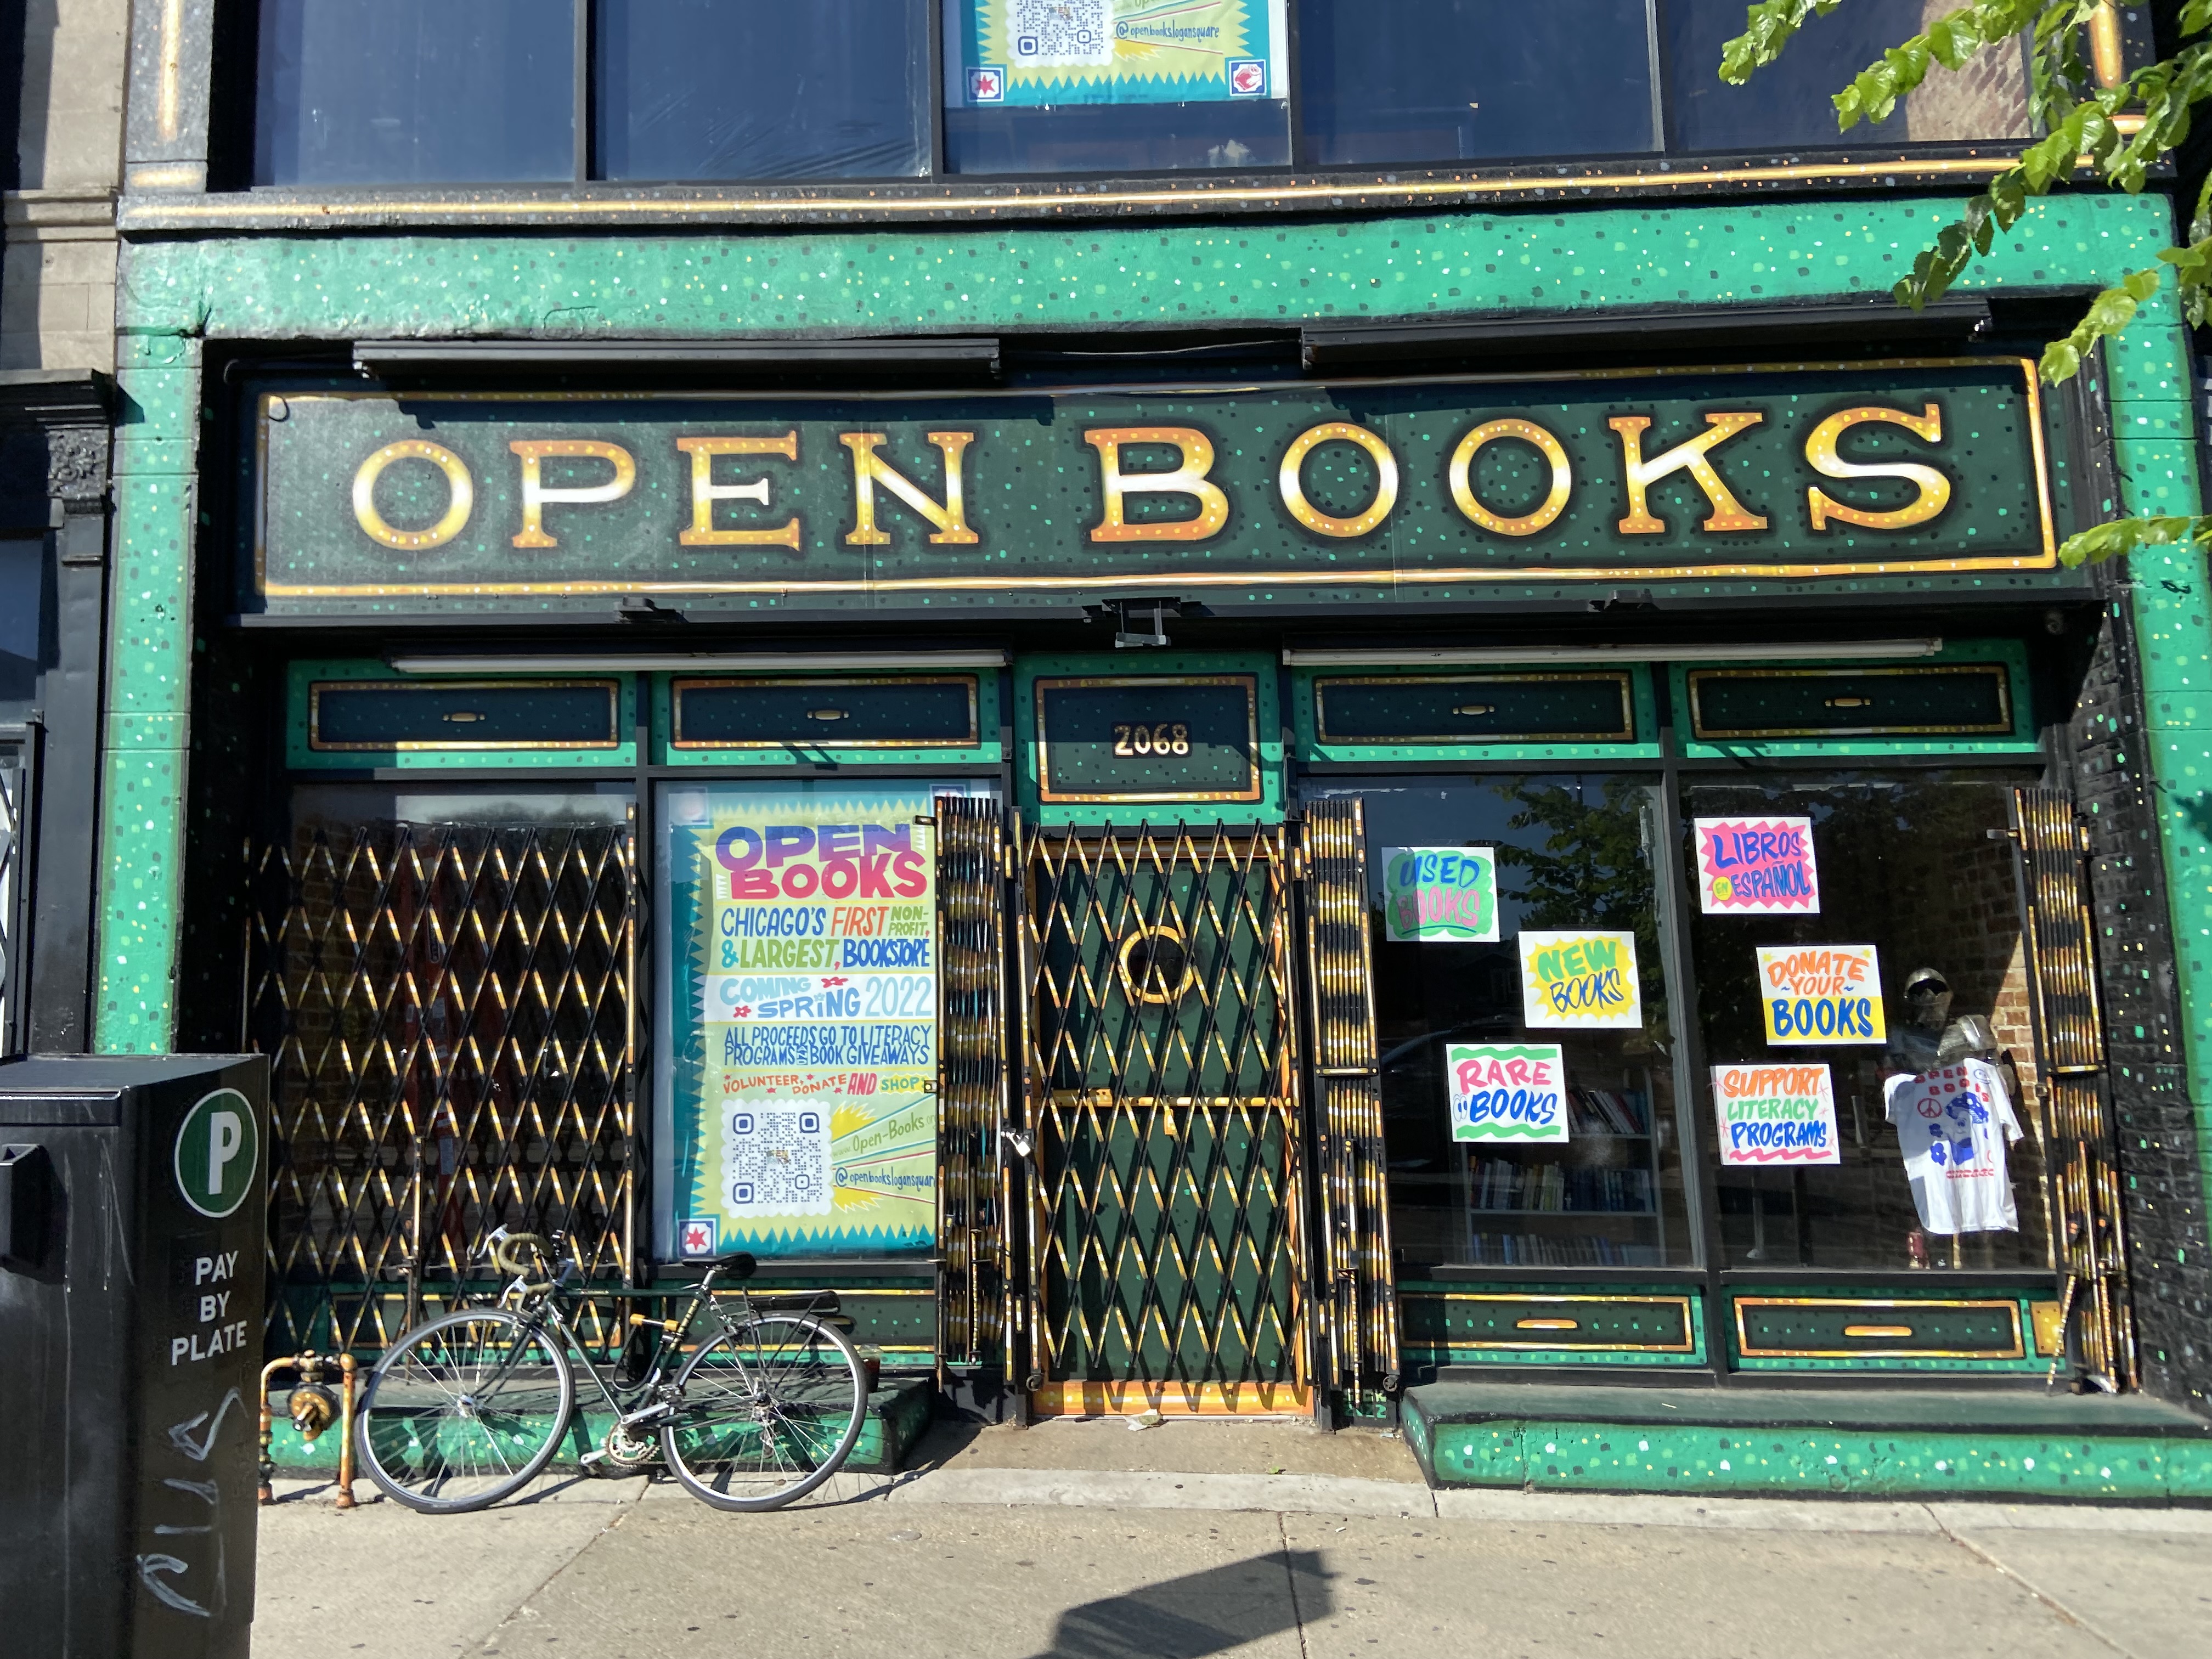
x,y
1333,194
1683,1305
2011,1308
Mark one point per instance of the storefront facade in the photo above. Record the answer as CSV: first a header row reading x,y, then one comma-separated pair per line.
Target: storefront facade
x,y
1229,797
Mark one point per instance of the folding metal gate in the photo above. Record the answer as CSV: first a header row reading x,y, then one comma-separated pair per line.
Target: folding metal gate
x,y
1161,1111
449,1012
1359,1322
2090,1238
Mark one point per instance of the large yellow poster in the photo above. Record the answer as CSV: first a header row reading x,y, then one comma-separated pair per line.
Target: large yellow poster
x,y
812,992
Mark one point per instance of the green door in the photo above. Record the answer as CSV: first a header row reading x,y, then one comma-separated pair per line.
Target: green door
x,y
1160,1082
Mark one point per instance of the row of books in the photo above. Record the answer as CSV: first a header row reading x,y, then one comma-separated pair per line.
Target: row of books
x,y
1495,1183
1606,1112
1530,1250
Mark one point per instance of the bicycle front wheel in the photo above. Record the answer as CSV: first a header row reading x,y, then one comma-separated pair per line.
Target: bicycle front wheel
x,y
768,1412
464,1411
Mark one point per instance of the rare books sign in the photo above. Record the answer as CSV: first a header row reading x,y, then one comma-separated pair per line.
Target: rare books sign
x,y
373,502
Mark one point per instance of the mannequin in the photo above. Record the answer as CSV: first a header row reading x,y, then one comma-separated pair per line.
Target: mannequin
x,y
1928,1038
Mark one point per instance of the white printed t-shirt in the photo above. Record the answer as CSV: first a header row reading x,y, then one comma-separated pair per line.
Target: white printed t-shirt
x,y
1954,1122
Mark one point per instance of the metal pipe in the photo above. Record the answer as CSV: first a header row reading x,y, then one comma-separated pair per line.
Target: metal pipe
x,y
347,1369
310,1366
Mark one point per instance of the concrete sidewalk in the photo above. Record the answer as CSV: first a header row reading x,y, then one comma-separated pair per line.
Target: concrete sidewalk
x,y
1087,1540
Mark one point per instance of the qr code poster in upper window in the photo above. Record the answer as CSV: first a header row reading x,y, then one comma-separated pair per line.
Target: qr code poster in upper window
x,y
1117,51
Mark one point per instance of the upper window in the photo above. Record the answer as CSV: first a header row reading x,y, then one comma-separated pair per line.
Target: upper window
x,y
1785,105
406,92
760,89
399,92
1451,80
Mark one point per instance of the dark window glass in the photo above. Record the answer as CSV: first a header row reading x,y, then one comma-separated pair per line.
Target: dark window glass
x,y
1468,80
1117,138
1953,701
1411,709
813,714
462,715
1786,104
1905,864
1149,740
762,89
394,91
1573,853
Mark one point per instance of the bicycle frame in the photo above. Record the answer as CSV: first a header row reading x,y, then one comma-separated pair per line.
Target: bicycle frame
x,y
667,1347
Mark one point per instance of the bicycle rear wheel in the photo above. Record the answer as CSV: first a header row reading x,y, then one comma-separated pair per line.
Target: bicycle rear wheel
x,y
464,1411
768,1412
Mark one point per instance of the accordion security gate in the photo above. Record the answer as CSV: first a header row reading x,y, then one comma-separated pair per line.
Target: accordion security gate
x,y
1160,1073
449,1013
2077,1115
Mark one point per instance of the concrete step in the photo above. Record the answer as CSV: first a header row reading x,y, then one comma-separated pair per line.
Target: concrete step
x,y
1921,1443
899,1411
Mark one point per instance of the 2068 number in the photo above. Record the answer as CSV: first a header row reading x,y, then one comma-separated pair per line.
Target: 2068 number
x,y
1166,738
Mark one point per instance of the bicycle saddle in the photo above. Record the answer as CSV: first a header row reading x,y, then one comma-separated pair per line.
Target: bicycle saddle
x,y
739,1264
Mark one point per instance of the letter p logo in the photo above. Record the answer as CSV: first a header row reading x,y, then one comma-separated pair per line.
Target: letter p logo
x,y
218,1153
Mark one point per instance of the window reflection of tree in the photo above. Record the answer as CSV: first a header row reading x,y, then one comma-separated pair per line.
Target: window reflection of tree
x,y
1593,871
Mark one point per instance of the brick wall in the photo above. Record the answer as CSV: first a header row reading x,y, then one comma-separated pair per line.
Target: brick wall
x,y
2161,1174
1988,98
58,274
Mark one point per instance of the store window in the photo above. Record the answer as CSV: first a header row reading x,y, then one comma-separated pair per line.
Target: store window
x,y
1863,994
1451,80
354,92
1525,1041
760,89
1786,104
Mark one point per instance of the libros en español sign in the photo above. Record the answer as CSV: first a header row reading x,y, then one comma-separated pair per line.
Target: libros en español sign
x,y
366,500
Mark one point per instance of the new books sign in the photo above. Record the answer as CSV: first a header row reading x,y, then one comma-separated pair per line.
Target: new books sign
x,y
365,501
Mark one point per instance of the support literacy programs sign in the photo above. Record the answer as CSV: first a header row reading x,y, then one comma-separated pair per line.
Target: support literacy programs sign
x,y
813,984
1775,1115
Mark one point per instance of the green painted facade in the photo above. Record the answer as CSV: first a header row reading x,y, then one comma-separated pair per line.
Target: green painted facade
x,y
1736,1462
176,296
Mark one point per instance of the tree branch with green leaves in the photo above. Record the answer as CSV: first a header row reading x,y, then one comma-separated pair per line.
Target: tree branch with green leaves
x,y
2084,129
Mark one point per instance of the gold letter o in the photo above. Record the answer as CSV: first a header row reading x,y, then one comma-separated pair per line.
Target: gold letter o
x,y
1293,485
1546,445
460,502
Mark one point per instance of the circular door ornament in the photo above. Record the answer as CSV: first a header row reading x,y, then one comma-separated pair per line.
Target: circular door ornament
x,y
1155,964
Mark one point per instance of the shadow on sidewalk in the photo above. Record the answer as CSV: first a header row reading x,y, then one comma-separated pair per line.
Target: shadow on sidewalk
x,y
1198,1614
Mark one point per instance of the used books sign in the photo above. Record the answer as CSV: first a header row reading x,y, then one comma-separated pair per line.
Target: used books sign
x,y
363,501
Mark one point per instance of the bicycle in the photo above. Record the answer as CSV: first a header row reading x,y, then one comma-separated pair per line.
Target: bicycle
x,y
468,1408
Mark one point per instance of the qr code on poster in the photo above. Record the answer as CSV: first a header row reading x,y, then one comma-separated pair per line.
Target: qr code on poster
x,y
776,1162
1061,33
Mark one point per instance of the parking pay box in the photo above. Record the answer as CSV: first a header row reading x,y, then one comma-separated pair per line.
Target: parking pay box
x,y
132,1197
